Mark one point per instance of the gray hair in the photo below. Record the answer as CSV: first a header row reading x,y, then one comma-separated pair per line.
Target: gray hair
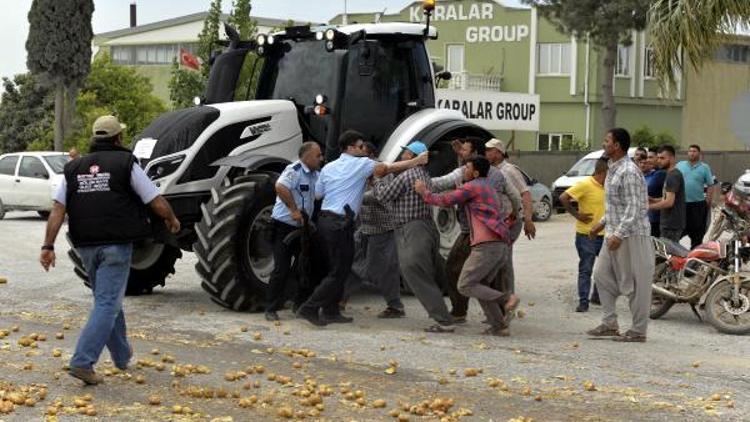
x,y
305,148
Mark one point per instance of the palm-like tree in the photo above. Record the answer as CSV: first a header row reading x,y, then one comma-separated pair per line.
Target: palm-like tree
x,y
693,30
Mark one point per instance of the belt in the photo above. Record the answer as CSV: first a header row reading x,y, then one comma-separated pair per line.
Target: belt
x,y
332,214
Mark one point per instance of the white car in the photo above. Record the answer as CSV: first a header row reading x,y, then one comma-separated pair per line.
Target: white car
x,y
580,170
29,179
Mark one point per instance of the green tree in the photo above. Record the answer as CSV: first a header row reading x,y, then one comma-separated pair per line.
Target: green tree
x,y
59,53
607,24
644,137
209,37
247,27
692,29
110,89
27,113
184,85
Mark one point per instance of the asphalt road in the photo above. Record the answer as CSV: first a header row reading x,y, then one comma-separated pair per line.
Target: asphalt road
x,y
547,370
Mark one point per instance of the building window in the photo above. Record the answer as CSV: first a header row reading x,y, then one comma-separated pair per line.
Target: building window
x,y
553,141
622,65
553,59
648,64
734,53
455,61
157,54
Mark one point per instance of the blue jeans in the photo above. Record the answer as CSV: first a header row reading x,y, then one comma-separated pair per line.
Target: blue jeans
x,y
588,250
108,267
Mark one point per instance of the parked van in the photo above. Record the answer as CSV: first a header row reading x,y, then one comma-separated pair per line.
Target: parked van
x,y
580,170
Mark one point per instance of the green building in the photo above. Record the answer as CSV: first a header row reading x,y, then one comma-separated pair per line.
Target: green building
x,y
490,47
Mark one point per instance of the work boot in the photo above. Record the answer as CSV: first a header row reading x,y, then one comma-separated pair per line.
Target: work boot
x,y
86,375
582,307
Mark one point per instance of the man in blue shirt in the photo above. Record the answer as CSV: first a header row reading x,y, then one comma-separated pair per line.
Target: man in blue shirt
x,y
295,195
655,177
698,178
342,185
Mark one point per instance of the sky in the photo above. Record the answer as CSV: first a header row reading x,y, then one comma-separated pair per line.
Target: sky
x,y
114,14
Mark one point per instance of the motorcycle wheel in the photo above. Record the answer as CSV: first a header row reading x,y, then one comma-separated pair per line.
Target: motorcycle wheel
x,y
728,317
660,306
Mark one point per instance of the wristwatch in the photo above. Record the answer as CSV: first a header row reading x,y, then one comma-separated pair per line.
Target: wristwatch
x,y
48,247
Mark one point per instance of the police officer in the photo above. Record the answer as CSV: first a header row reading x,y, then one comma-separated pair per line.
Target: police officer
x,y
104,193
295,194
341,185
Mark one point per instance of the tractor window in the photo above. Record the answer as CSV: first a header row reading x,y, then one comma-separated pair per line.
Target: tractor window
x,y
378,88
299,71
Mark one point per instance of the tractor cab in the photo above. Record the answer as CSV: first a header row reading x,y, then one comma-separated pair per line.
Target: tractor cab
x,y
366,77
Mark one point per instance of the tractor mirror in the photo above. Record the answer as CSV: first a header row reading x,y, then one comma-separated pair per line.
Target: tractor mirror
x,y
444,75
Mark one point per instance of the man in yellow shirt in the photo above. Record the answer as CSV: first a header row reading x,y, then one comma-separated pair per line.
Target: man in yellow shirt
x,y
589,194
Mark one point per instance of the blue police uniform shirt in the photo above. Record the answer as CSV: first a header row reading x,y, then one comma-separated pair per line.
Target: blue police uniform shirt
x,y
343,181
697,178
300,181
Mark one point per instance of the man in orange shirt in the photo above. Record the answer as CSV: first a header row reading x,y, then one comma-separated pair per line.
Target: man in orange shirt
x,y
589,194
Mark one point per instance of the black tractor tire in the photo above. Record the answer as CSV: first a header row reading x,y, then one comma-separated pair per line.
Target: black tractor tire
x,y
234,249
141,281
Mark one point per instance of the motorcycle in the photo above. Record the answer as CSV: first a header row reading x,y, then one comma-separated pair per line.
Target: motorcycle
x,y
710,276
735,202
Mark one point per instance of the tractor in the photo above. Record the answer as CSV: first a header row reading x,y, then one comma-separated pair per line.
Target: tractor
x,y
217,162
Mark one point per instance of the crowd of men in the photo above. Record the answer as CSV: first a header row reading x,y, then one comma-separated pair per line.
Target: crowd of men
x,y
375,225
635,200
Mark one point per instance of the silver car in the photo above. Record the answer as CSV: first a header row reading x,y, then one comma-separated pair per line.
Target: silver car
x,y
541,197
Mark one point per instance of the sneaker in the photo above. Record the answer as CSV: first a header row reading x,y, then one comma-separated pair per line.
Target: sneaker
x,y
603,331
311,317
390,313
86,375
272,316
337,319
582,308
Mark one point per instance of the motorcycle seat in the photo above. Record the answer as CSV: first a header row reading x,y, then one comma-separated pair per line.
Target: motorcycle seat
x,y
675,249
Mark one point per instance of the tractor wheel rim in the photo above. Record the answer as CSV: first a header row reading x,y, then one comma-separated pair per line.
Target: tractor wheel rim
x,y
146,254
259,247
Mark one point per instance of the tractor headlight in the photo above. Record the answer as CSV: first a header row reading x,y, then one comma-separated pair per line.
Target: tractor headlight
x,y
330,34
330,46
261,40
319,36
270,39
320,99
162,168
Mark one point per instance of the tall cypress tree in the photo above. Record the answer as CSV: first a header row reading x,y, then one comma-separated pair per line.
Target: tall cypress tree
x,y
59,53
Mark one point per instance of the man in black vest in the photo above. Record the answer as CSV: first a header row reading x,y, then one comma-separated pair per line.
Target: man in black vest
x,y
104,193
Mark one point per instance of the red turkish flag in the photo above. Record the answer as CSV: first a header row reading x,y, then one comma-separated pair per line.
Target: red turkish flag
x,y
189,60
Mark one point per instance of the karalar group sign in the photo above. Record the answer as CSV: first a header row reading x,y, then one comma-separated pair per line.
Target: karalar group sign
x,y
475,12
493,110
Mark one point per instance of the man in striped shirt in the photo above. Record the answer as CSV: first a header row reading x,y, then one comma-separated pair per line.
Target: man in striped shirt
x,y
626,263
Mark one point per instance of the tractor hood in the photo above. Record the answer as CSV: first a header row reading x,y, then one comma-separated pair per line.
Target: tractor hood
x,y
176,131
